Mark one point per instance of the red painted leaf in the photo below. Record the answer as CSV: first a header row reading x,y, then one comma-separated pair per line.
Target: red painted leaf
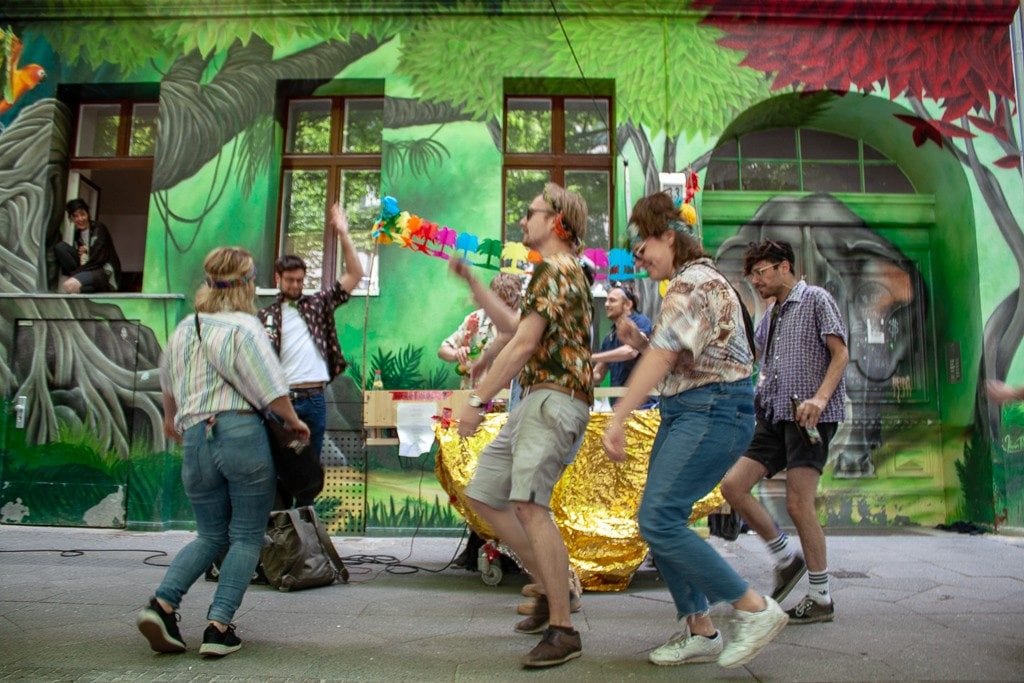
x,y
1009,161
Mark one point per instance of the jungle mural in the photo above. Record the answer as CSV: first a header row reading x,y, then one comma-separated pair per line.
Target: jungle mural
x,y
705,72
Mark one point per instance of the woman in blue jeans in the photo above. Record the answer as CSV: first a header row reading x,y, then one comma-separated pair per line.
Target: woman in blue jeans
x,y
699,358
217,365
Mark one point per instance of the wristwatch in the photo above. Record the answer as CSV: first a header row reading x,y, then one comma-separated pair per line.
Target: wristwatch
x,y
475,401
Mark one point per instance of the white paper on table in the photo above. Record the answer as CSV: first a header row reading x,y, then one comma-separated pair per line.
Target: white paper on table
x,y
415,427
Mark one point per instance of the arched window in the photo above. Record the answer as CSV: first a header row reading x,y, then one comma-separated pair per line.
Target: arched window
x,y
803,160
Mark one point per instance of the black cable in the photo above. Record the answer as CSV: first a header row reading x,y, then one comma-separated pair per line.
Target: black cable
x,y
78,552
572,50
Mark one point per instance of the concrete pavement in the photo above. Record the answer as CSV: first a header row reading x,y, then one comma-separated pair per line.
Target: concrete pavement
x,y
921,605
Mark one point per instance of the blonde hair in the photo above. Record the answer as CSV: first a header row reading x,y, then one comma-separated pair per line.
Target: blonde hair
x,y
230,282
573,209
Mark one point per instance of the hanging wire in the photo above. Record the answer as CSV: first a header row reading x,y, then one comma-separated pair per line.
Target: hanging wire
x,y
586,83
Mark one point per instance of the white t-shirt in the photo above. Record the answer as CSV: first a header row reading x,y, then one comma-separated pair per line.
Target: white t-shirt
x,y
300,358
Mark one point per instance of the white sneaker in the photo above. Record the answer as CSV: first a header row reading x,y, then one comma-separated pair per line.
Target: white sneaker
x,y
684,648
753,631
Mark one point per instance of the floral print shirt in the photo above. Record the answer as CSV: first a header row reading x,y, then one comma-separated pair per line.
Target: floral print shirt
x,y
702,321
317,311
558,292
475,333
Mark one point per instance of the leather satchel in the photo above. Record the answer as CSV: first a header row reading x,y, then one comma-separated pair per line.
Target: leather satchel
x,y
298,553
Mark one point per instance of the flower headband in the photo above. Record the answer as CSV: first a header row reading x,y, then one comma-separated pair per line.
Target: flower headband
x,y
230,283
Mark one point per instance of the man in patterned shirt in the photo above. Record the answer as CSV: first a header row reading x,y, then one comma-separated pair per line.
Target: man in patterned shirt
x,y
550,351
799,402
302,331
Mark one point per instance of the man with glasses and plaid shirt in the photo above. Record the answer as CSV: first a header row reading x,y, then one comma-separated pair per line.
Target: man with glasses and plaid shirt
x,y
799,401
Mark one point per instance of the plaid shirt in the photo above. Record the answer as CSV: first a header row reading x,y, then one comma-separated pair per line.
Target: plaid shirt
x,y
798,358
317,311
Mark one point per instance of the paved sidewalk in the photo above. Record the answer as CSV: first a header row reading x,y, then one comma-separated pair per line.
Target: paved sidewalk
x,y
924,605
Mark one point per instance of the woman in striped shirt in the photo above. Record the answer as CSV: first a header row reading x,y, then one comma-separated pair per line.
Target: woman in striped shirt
x,y
217,365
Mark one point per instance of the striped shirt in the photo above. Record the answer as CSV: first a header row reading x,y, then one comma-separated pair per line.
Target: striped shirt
x,y
236,345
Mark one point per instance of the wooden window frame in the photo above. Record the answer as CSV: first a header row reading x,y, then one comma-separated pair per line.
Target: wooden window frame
x,y
335,162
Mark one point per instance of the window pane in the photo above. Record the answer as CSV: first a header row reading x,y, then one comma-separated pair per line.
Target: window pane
x,y
769,175
360,196
770,144
144,118
596,191
886,178
97,130
831,177
528,126
722,175
309,127
364,126
872,153
521,186
817,145
302,222
585,129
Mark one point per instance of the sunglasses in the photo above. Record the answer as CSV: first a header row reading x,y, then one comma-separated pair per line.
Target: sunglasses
x,y
638,250
531,211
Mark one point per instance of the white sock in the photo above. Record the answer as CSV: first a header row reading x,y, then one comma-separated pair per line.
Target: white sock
x,y
780,550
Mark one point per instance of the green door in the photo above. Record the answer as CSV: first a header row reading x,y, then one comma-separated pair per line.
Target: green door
x,y
885,463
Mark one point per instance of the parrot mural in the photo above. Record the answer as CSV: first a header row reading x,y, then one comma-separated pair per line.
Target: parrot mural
x,y
16,81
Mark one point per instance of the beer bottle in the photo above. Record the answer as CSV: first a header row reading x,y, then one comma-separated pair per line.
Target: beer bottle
x,y
810,433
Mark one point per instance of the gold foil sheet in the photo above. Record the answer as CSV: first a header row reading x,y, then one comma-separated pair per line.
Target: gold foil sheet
x,y
594,504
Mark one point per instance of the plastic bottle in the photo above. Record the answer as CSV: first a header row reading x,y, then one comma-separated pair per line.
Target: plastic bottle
x,y
811,433
378,383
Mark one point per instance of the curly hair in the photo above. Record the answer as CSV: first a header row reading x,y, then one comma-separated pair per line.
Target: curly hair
x,y
229,284
656,214
509,288
773,251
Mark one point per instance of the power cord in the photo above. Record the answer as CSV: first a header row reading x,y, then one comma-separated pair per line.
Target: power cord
x,y
78,552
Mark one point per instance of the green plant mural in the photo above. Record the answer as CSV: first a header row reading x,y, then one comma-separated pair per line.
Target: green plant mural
x,y
684,79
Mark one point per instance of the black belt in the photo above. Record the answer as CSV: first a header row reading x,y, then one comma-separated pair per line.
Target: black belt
x,y
304,392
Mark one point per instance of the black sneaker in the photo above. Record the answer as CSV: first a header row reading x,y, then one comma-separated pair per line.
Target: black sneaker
x,y
808,611
217,644
787,577
160,628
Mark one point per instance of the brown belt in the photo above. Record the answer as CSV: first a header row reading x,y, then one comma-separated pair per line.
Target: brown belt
x,y
571,393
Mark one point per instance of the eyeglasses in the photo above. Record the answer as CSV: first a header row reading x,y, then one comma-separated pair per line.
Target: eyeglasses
x,y
530,211
638,250
758,273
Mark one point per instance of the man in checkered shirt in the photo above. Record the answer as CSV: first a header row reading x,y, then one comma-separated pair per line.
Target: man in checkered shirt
x,y
801,342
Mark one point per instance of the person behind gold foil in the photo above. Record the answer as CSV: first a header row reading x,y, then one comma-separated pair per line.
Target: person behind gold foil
x,y
511,488
477,331
699,358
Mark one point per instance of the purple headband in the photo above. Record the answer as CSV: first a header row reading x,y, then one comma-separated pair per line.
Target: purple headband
x,y
239,281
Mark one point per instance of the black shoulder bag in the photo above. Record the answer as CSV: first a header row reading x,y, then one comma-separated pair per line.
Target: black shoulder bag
x,y
299,472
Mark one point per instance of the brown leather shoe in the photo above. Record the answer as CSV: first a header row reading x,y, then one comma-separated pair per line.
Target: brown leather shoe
x,y
528,607
538,621
556,647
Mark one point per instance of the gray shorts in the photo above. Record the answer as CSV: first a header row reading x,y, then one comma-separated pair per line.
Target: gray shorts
x,y
533,448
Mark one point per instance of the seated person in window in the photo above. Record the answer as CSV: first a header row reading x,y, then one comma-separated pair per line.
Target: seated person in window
x,y
90,262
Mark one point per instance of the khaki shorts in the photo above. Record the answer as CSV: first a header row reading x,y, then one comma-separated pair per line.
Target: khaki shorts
x,y
529,454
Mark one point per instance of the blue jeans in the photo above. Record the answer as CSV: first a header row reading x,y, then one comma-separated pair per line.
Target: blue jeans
x,y
703,432
313,411
229,479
